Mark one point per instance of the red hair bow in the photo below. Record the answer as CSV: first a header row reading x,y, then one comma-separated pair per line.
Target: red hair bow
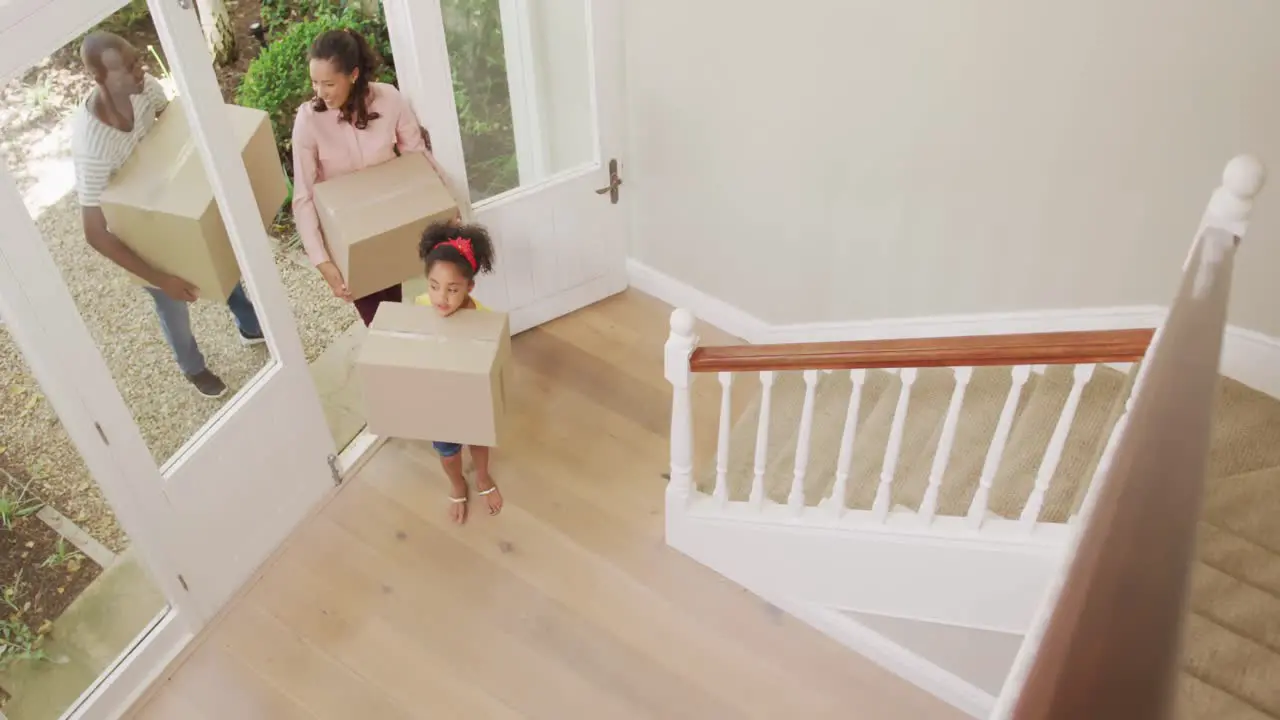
x,y
463,246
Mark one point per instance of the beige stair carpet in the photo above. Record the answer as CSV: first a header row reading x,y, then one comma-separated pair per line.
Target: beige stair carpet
x,y
1231,668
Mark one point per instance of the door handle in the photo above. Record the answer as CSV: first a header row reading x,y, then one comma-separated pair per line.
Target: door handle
x,y
615,182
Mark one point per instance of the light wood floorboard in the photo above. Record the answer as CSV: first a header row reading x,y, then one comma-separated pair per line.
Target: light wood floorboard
x,y
567,605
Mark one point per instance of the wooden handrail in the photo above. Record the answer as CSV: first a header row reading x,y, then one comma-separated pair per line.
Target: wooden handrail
x,y
1060,348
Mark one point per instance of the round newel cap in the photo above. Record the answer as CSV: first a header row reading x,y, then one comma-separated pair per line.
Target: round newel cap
x,y
1244,176
682,322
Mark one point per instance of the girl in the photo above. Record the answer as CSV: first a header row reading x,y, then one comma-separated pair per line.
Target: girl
x,y
453,256
351,124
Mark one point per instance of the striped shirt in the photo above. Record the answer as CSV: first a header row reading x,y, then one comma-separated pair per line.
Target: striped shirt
x,y
99,150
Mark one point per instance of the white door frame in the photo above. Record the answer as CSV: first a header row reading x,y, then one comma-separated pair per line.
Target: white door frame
x,y
418,35
41,314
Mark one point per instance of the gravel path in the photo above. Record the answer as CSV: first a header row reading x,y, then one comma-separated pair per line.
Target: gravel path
x,y
121,319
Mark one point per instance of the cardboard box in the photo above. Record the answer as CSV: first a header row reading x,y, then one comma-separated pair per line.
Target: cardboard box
x,y
161,203
374,218
427,377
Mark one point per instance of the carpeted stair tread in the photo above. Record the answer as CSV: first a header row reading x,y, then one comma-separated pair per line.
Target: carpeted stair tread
x,y
831,404
1232,662
983,401
1197,700
1246,431
1238,606
1247,504
869,447
930,396
1028,440
1090,429
1244,560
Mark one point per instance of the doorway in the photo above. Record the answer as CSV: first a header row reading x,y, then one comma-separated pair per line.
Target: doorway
x,y
193,484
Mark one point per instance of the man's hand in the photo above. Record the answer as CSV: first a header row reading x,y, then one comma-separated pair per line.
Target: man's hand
x,y
333,276
178,289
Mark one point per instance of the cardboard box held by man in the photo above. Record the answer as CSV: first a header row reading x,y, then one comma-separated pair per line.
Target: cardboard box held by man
x,y
161,203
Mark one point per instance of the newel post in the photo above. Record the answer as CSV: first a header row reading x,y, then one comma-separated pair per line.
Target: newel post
x,y
680,345
1231,204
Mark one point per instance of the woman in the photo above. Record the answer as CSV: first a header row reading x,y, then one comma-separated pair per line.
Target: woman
x,y
351,124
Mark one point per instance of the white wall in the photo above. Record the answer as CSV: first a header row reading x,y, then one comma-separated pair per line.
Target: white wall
x,y
859,159
980,657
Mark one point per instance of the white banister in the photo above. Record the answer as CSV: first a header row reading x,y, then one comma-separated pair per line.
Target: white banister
x,y
1057,444
1167,412
762,440
722,443
880,508
795,500
978,508
836,503
680,345
929,505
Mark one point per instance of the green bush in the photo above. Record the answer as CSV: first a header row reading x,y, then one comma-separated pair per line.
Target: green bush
x,y
278,81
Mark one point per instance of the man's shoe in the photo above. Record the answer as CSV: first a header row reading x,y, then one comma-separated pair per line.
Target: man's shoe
x,y
246,339
208,384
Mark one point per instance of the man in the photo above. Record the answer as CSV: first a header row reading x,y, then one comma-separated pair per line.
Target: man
x,y
110,123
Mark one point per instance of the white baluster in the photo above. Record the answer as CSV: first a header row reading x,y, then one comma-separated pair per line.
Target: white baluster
x,y
676,352
978,508
883,492
835,503
1057,443
762,439
795,501
929,506
722,444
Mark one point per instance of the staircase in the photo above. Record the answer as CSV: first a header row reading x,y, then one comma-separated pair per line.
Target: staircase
x,y
917,500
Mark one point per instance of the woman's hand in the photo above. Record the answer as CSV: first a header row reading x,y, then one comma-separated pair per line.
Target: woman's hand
x,y
333,276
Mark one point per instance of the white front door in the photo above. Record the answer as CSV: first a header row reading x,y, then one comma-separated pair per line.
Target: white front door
x,y
205,506
524,101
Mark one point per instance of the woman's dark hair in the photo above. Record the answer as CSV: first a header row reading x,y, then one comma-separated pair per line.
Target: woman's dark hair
x,y
440,244
349,51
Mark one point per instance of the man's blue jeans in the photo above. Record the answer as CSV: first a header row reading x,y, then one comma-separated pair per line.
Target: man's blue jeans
x,y
175,323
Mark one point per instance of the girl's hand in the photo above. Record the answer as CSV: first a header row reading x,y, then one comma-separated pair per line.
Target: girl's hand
x,y
333,276
456,220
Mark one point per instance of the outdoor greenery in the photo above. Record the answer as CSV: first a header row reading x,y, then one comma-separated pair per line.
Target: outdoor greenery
x,y
278,81
17,640
473,32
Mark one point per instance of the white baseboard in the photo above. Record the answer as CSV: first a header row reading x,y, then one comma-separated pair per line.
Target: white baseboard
x,y
909,666
1247,356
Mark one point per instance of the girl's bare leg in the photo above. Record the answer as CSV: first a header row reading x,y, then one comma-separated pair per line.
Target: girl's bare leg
x,y
453,468
484,482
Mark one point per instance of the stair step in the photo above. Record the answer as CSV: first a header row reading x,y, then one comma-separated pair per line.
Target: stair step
x,y
1232,662
1238,557
1238,606
1248,505
1197,700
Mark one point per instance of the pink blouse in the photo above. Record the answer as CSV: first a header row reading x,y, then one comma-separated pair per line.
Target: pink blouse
x,y
325,148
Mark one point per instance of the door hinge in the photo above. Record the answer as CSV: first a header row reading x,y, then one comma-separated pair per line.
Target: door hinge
x,y
615,182
183,582
334,470
102,434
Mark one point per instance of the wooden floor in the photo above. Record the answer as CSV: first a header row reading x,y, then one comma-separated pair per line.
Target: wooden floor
x,y
568,605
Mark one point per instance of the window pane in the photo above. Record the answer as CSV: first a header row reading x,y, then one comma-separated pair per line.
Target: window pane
x,y
521,84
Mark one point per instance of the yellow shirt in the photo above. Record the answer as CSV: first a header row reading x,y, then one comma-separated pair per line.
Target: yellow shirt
x,y
425,299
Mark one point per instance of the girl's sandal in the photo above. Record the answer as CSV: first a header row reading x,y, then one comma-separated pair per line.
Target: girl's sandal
x,y
491,490
461,516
